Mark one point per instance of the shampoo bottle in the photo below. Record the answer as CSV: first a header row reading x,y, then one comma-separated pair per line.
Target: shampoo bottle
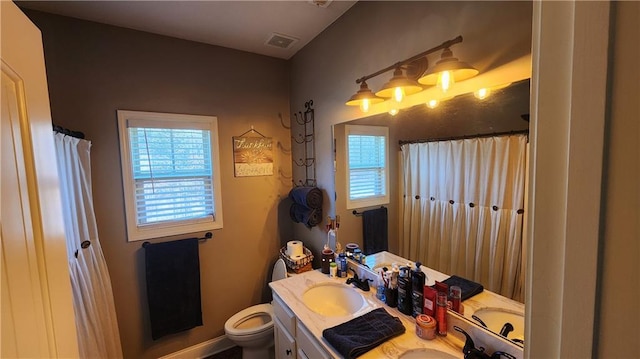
x,y
417,283
405,301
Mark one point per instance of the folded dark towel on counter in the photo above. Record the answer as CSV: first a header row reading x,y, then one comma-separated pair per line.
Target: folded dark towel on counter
x,y
308,216
469,288
361,334
173,286
307,196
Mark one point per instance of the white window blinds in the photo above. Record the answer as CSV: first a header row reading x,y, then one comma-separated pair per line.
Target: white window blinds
x,y
172,172
367,164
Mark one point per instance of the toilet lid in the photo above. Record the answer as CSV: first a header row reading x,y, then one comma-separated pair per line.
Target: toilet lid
x,y
279,270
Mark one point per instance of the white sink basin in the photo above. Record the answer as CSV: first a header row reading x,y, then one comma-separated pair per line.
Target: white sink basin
x,y
427,353
495,319
333,299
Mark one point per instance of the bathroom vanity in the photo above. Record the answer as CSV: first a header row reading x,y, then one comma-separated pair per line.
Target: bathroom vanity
x,y
306,304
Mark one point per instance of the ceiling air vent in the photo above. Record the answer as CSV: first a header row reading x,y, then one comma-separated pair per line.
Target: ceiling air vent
x,y
280,40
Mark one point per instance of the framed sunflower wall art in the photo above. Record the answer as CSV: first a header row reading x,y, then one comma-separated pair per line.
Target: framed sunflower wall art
x,y
252,155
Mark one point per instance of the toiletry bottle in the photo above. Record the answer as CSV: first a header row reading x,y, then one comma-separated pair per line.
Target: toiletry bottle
x,y
441,313
333,270
417,283
429,301
455,295
342,265
391,293
405,301
381,288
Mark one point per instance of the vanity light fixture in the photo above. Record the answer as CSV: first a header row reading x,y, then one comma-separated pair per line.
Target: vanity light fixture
x,y
403,83
364,98
447,71
399,86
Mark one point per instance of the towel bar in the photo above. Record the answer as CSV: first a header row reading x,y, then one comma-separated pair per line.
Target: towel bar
x,y
207,235
359,214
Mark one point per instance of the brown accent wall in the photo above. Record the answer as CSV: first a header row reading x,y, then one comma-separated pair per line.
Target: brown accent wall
x,y
94,70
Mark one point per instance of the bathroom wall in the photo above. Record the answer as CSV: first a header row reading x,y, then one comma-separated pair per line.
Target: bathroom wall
x,y
373,35
617,313
94,70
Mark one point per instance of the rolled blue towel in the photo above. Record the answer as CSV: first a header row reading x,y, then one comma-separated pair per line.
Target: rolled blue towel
x,y
308,216
361,334
307,196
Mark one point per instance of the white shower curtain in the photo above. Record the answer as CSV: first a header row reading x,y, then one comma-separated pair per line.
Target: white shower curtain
x,y
98,335
462,210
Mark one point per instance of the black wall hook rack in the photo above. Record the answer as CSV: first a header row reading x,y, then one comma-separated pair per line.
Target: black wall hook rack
x,y
305,139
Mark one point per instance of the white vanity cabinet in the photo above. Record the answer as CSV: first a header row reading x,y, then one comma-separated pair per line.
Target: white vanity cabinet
x,y
308,347
284,330
285,344
292,339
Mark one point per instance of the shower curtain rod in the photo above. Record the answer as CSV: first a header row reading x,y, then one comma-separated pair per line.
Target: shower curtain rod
x,y
68,132
493,134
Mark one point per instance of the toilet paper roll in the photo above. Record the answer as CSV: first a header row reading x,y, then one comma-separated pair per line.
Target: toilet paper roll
x,y
294,248
298,257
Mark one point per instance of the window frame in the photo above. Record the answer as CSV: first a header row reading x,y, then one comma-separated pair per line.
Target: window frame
x,y
169,121
371,200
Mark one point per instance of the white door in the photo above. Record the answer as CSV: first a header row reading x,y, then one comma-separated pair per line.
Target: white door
x,y
37,319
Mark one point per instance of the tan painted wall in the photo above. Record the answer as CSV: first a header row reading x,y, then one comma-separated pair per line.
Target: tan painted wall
x,y
620,254
95,69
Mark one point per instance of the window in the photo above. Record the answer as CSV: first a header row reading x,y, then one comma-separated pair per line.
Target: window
x,y
170,173
367,166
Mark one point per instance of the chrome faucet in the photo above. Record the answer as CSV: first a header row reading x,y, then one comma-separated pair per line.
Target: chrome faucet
x,y
363,284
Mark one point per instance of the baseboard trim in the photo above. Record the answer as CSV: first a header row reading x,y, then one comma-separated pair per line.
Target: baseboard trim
x,y
203,350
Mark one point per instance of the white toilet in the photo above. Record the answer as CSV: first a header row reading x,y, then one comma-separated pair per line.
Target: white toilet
x,y
252,328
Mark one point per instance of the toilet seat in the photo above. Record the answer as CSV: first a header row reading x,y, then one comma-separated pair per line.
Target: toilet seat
x,y
231,325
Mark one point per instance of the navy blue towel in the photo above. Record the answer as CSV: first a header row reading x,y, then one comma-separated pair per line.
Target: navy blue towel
x,y
361,334
469,288
375,234
310,197
308,216
173,286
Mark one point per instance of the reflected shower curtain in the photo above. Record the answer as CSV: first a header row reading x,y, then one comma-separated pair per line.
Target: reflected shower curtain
x,y
462,209
98,335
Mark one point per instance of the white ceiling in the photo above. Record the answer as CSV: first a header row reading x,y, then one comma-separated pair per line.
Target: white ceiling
x,y
242,25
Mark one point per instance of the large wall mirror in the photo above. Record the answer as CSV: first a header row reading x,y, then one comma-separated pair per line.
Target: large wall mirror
x,y
504,113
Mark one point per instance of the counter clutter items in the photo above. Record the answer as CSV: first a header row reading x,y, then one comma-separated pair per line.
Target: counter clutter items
x,y
299,328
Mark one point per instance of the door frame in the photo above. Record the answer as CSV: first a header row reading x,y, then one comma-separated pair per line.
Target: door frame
x,y
568,106
50,259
